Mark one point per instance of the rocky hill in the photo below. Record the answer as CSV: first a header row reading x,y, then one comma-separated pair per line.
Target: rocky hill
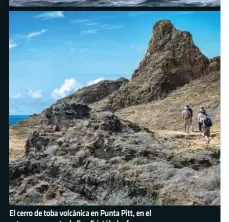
x,y
95,92
100,159
75,152
171,61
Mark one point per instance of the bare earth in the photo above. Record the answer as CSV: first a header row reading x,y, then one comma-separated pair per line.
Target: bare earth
x,y
16,144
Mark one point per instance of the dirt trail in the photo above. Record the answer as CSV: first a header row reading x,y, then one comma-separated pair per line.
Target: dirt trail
x,y
193,140
16,144
17,141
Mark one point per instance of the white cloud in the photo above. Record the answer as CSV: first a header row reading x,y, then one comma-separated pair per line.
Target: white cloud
x,y
25,36
51,15
12,44
94,81
90,24
88,31
35,94
16,96
79,21
33,34
110,27
92,27
96,27
67,87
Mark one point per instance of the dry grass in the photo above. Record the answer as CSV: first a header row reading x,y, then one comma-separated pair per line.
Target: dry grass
x,y
166,114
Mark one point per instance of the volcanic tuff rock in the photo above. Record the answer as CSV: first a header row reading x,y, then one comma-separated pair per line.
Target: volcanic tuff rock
x,y
214,65
101,159
95,92
171,61
86,95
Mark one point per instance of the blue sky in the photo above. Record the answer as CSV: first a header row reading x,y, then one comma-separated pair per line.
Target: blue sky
x,y
54,53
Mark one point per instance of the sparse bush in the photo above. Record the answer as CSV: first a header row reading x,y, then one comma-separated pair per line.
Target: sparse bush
x,y
32,196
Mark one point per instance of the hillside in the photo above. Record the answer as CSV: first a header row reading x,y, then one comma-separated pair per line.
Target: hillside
x,y
95,92
171,61
127,145
166,113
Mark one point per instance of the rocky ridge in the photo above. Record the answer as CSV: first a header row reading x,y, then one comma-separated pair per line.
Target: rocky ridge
x,y
171,61
95,92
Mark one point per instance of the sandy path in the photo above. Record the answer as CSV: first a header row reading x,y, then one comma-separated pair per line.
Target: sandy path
x,y
17,142
193,140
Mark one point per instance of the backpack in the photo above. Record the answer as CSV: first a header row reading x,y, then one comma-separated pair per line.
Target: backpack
x,y
187,114
208,122
190,110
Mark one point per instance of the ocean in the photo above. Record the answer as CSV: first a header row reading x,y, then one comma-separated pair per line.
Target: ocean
x,y
117,3
13,119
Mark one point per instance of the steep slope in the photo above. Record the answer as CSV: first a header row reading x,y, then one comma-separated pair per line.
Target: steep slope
x,y
95,92
86,95
171,61
166,114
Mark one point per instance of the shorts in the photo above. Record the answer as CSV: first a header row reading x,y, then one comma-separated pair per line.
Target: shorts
x,y
187,121
207,131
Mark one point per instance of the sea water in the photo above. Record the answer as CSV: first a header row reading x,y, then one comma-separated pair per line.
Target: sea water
x,y
13,119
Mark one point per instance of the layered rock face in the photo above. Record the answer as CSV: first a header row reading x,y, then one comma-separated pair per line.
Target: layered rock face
x,y
95,92
171,61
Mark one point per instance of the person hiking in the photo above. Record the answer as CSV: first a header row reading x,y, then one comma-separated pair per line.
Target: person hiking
x,y
191,111
207,124
187,119
201,118
204,111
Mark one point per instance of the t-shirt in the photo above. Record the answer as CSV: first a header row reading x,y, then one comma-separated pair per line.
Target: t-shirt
x,y
186,111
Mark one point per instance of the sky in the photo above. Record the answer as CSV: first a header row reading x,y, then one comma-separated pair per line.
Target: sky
x,y
52,54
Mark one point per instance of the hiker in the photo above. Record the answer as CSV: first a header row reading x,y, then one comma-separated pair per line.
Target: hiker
x,y
207,126
203,109
187,118
201,117
191,111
